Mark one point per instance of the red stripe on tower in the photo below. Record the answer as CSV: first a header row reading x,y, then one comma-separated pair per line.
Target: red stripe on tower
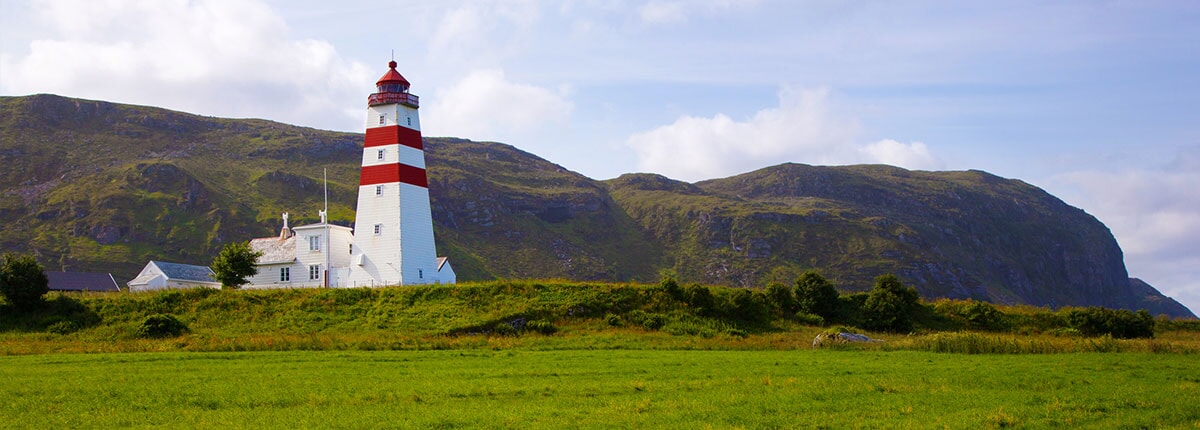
x,y
391,135
391,173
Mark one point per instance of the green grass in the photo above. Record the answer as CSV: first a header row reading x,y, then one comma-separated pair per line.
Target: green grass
x,y
611,389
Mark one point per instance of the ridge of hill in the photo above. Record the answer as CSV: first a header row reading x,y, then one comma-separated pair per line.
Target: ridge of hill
x,y
101,186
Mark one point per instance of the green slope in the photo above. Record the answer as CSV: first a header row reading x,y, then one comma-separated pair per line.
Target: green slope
x,y
98,186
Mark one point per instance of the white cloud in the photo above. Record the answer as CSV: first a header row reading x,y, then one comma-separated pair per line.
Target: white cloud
x,y
668,12
1155,216
660,12
460,30
226,58
802,129
485,105
913,156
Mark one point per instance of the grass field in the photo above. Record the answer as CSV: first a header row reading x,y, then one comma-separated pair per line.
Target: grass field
x,y
600,388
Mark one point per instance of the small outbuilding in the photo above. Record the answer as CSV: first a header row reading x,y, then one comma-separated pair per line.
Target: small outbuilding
x,y
81,281
159,275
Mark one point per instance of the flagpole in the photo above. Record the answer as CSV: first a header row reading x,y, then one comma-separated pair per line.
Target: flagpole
x,y
328,240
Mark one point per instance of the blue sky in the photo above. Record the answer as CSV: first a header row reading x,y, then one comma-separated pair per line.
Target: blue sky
x,y
1097,102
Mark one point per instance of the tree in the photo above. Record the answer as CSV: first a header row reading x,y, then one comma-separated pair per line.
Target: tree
x,y
234,264
890,305
815,295
781,298
23,281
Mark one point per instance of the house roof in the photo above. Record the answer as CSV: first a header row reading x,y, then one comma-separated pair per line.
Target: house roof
x,y
81,281
143,279
185,272
275,250
441,261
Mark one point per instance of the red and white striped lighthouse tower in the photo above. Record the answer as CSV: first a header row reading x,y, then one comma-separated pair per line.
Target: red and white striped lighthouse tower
x,y
393,228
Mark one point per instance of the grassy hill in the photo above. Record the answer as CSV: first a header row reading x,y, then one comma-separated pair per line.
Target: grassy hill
x,y
97,186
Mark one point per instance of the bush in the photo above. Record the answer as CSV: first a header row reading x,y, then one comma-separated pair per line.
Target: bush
x,y
648,321
809,319
1118,323
890,306
63,327
160,326
701,300
974,314
781,298
541,326
748,306
850,309
815,295
23,281
504,329
984,316
671,287
613,319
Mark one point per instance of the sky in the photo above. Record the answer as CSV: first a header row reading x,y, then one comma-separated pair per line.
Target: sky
x,y
1098,102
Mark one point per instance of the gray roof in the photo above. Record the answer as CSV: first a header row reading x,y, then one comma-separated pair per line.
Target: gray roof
x,y
275,250
81,281
185,272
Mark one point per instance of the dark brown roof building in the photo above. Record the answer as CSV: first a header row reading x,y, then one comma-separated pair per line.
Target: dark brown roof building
x,y
81,281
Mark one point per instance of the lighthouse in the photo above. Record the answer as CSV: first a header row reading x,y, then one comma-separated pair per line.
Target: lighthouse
x,y
393,228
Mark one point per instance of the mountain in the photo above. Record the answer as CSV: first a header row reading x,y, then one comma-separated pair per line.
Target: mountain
x,y
93,185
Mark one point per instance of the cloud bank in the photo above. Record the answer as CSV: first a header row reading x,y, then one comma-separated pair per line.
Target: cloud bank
x,y
1155,216
225,58
486,105
801,129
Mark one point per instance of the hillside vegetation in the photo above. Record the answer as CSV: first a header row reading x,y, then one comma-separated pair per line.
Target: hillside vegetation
x,y
551,314
96,186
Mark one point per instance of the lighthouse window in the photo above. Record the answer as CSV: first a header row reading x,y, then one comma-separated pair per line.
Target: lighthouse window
x,y
314,272
410,121
379,154
382,119
285,274
378,229
379,190
421,273
314,243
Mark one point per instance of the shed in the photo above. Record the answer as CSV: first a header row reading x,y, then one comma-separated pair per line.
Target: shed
x,y
158,275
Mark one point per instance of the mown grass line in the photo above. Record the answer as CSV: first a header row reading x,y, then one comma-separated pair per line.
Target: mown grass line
x,y
609,388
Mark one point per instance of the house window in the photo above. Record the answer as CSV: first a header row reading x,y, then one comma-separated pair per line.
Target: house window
x,y
314,272
378,229
285,274
421,273
314,243
378,190
379,154
382,119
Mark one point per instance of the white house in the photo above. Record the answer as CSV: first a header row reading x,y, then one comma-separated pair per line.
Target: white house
x,y
159,275
302,257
